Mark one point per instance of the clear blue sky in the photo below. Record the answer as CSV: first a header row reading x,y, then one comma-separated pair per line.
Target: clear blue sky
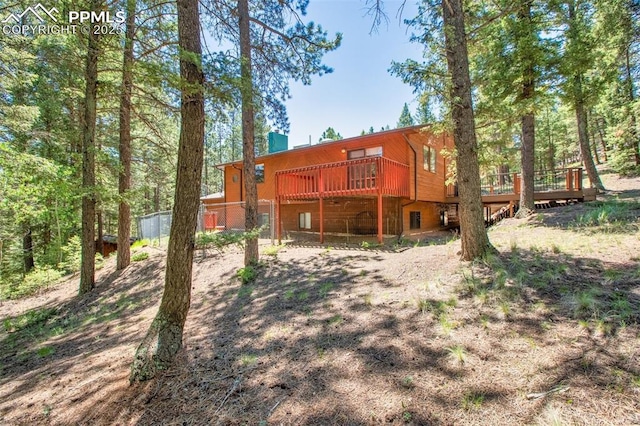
x,y
360,92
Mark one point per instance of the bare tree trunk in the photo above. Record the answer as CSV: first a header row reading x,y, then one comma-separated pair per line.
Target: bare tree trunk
x,y
592,135
124,179
248,134
475,242
100,231
88,257
527,201
581,115
164,337
585,151
27,249
156,198
601,136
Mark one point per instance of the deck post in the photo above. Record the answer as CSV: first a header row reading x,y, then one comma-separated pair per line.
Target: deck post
x,y
320,190
569,179
380,239
516,183
579,179
278,217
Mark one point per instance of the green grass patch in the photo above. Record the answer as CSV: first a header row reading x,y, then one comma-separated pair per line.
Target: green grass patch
x,y
247,360
45,351
140,256
30,319
325,289
272,250
609,216
36,280
245,291
472,400
335,320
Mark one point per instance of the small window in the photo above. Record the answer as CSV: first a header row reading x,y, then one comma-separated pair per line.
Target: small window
x,y
373,152
304,220
429,154
368,152
414,220
259,173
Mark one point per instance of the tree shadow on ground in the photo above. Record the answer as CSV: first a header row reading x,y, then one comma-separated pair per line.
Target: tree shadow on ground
x,y
304,343
542,292
285,350
47,342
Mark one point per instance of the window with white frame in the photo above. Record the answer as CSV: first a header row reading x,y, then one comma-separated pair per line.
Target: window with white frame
x,y
429,154
304,220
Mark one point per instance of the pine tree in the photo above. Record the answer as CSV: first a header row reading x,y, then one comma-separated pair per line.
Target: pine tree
x,y
87,271
331,134
164,337
475,242
405,120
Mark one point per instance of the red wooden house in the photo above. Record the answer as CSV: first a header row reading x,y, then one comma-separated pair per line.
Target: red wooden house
x,y
387,183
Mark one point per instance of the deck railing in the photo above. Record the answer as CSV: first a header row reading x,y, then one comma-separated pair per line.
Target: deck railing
x,y
364,176
544,181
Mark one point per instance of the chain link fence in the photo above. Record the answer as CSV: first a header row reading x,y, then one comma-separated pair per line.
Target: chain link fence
x,y
230,217
225,217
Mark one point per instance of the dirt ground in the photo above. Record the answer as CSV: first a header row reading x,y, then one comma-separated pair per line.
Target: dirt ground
x,y
546,332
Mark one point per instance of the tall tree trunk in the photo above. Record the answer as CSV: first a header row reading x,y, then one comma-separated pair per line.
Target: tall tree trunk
x,y
635,136
475,242
601,137
527,201
100,231
156,198
583,137
248,134
592,135
124,179
27,249
88,256
164,337
578,96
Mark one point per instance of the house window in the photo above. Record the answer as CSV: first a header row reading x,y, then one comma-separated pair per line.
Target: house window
x,y
304,220
414,220
429,154
259,173
365,152
363,176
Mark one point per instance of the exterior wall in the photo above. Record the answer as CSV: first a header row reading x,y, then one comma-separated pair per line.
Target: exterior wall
x,y
394,146
431,186
344,215
429,217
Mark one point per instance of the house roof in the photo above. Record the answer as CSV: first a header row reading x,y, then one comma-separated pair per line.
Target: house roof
x,y
213,196
411,129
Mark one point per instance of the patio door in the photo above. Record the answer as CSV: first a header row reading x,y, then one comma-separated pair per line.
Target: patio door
x,y
363,176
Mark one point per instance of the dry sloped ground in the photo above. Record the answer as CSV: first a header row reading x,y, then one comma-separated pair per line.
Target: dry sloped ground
x,y
544,333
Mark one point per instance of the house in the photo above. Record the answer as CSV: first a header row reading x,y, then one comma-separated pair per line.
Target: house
x,y
387,183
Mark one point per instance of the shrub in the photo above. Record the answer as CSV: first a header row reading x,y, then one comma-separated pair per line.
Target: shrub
x,y
247,274
32,282
71,255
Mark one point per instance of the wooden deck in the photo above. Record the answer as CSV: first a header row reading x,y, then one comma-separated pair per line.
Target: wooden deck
x,y
364,176
561,184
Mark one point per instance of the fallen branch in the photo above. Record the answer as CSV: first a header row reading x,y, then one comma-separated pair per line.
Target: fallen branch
x,y
236,383
557,389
